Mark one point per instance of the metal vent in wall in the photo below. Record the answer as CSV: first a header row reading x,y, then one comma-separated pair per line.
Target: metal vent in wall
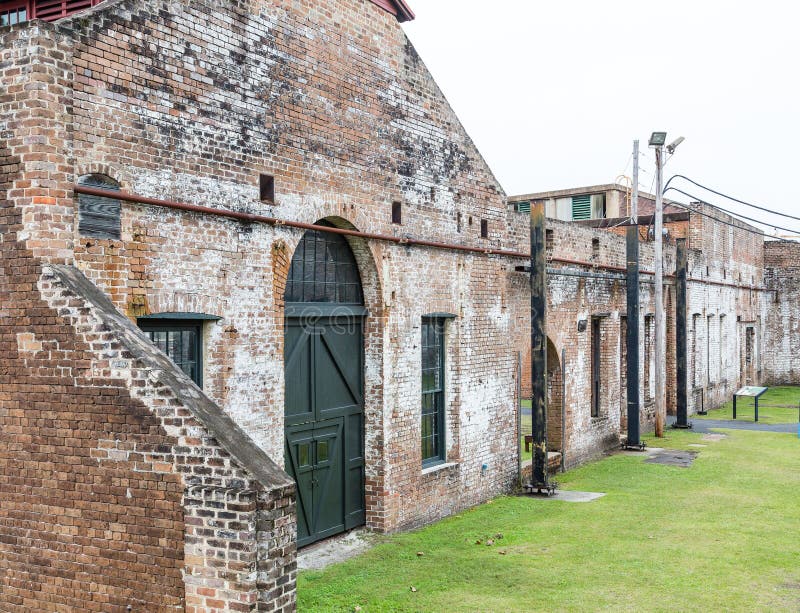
x,y
98,217
581,207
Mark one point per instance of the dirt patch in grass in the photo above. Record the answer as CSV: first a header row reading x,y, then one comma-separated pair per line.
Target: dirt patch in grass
x,y
673,457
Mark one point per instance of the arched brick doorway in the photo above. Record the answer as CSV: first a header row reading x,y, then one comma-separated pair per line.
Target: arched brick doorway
x,y
324,385
555,399
555,394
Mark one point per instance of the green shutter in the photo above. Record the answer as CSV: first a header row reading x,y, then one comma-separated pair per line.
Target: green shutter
x,y
524,207
581,207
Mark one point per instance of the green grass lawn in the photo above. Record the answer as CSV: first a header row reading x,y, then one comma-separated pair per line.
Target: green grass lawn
x,y
786,395
721,535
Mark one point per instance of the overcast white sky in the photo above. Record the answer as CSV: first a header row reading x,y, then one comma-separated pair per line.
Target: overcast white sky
x,y
554,93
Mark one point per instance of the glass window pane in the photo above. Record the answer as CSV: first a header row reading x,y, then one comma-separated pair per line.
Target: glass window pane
x,y
322,451
304,454
180,340
432,433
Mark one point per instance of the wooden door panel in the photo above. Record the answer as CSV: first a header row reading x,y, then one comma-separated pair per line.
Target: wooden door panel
x,y
328,516
337,393
324,409
299,364
299,450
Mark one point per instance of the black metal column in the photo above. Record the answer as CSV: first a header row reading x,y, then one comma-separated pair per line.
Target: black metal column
x,y
539,477
682,264
632,333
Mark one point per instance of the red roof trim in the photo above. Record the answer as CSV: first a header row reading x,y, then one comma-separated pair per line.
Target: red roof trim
x,y
398,8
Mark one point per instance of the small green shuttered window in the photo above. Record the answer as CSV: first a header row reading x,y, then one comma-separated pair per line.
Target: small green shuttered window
x,y
98,217
581,207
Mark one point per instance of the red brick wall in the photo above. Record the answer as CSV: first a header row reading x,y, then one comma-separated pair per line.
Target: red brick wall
x,y
192,103
114,491
782,313
75,533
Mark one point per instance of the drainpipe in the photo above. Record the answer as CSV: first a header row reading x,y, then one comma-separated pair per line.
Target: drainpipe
x,y
519,418
274,221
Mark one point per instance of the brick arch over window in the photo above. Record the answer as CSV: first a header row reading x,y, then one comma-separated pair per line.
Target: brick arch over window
x,y
100,168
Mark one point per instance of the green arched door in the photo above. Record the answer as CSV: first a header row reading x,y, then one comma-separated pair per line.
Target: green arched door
x,y
323,364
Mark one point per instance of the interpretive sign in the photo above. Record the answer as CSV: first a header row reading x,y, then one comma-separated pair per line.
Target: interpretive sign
x,y
749,391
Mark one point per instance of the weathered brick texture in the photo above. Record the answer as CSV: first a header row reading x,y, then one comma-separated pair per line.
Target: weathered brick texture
x,y
104,467
193,102
727,300
782,308
115,493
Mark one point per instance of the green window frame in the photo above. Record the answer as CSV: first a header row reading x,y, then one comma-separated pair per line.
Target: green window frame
x,y
181,340
433,401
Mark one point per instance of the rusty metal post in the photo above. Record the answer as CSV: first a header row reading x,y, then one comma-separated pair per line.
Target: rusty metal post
x,y
539,476
632,333
681,327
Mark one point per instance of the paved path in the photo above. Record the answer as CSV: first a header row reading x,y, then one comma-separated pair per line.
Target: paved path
x,y
705,425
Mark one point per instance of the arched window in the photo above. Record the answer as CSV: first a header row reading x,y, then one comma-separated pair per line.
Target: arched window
x,y
324,270
98,216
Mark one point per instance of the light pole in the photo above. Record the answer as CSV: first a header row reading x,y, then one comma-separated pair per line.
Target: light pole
x,y
657,140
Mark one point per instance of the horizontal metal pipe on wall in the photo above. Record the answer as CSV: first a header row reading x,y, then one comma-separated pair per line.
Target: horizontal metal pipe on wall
x,y
274,221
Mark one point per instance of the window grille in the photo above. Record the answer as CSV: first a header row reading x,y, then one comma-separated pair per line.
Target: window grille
x,y
324,270
432,391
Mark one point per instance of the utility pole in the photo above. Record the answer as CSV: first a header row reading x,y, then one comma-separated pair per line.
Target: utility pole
x,y
681,272
657,140
661,409
540,482
632,299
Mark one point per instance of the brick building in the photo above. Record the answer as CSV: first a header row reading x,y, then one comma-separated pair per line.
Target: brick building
x,y
279,197
740,331
367,367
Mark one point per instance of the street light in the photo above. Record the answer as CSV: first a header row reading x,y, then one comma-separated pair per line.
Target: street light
x,y
674,144
657,140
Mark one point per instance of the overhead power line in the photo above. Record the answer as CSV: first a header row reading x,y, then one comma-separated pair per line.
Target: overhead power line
x,y
713,191
723,221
